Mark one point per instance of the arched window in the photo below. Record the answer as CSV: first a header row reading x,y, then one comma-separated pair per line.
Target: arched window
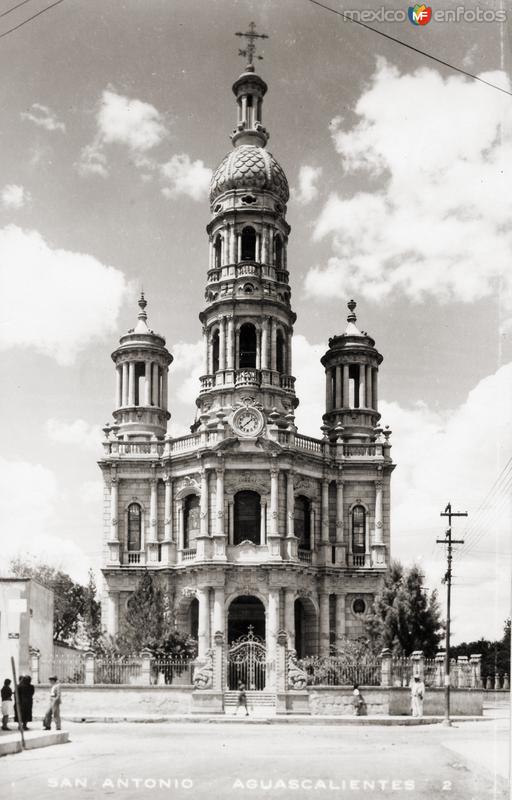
x,y
190,521
358,530
215,351
279,251
248,244
302,522
218,251
134,527
247,346
247,517
280,354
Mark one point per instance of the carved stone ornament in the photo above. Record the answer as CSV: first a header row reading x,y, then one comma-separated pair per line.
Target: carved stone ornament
x,y
379,524
203,677
297,678
188,591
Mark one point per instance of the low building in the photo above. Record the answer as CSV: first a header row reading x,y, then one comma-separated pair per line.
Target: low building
x,y
26,624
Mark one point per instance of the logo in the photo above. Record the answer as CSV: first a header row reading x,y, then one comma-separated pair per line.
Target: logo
x,y
420,14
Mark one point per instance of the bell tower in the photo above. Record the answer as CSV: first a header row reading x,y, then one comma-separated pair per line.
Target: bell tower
x,y
248,319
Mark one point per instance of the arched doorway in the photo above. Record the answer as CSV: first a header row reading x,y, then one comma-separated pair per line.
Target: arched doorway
x,y
246,637
306,628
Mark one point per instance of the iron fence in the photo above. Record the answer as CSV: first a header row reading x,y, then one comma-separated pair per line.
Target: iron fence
x,y
171,673
118,671
401,671
68,669
337,672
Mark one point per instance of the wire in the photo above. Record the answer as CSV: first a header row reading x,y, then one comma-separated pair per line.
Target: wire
x,y
4,14
30,18
410,47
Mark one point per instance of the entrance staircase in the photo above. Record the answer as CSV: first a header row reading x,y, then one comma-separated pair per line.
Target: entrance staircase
x,y
260,704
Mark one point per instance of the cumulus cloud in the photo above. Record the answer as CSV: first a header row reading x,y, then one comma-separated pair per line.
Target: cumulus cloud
x,y
436,218
185,176
126,121
73,300
307,189
447,455
29,519
14,196
188,359
44,117
78,433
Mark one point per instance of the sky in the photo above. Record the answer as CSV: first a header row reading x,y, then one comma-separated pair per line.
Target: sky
x,y
113,116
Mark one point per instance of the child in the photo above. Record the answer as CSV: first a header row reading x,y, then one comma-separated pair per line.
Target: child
x,y
357,701
242,699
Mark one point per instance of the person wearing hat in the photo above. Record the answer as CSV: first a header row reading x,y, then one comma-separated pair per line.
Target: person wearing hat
x,y
54,708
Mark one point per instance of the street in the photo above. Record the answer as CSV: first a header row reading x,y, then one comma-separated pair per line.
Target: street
x,y
201,760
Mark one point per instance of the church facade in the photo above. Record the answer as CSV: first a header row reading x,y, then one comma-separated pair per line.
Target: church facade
x,y
255,530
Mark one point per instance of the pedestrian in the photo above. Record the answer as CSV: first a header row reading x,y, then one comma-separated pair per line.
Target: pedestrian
x,y
242,699
357,701
54,707
7,704
26,698
417,695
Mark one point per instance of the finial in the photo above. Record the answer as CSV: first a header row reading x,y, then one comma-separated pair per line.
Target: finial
x,y
142,305
351,307
250,50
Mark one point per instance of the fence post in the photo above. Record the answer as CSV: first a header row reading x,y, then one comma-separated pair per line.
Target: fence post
x,y
146,667
462,669
418,664
35,655
439,669
506,683
475,661
385,667
281,676
496,680
89,668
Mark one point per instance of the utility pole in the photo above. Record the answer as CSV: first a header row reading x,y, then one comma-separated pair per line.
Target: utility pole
x,y
448,580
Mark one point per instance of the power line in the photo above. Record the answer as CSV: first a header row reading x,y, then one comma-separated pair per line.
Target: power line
x,y
4,13
21,24
348,18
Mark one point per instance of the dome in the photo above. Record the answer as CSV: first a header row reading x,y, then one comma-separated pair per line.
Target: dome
x,y
249,167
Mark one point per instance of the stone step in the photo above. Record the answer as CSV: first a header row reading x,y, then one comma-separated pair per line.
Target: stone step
x,y
253,698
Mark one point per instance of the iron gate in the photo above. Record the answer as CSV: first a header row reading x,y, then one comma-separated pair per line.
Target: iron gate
x,y
247,662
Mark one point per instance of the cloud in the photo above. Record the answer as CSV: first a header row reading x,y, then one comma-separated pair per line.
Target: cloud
x,y
78,433
453,455
29,519
307,189
188,358
14,196
436,220
186,177
44,117
125,121
73,300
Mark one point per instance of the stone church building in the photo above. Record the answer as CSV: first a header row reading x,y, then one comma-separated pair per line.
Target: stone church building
x,y
257,531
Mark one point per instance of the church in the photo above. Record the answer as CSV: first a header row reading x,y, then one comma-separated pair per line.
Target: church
x,y
257,532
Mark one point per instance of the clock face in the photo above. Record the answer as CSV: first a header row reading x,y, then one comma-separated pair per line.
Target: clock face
x,y
247,421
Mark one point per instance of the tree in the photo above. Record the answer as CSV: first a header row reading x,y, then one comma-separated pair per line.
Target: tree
x,y
404,617
69,597
148,624
91,614
495,655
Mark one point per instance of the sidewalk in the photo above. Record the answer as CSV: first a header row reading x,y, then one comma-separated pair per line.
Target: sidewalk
x,y
274,719
10,741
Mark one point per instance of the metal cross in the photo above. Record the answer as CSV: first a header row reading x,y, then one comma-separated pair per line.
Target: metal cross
x,y
250,50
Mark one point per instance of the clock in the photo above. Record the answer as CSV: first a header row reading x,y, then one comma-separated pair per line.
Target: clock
x,y
247,422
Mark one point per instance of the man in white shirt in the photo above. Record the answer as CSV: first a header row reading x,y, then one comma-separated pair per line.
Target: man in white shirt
x,y
54,708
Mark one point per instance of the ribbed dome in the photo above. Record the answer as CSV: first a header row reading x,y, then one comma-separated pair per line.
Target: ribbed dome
x,y
249,167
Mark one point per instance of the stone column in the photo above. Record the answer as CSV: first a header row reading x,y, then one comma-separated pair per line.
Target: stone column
x,y
340,618
119,387
165,384
418,663
114,508
219,544
264,244
290,505
328,390
362,384
339,386
289,615
230,343
339,511
147,383
218,610
289,358
125,383
232,244
375,374
324,624
203,633
273,346
89,669
222,343
385,668
475,659
369,401
325,511
168,510
131,383
264,344
155,386
346,392
181,526
231,517
378,512
263,519
239,247
203,504
272,628
145,667
152,527
273,534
